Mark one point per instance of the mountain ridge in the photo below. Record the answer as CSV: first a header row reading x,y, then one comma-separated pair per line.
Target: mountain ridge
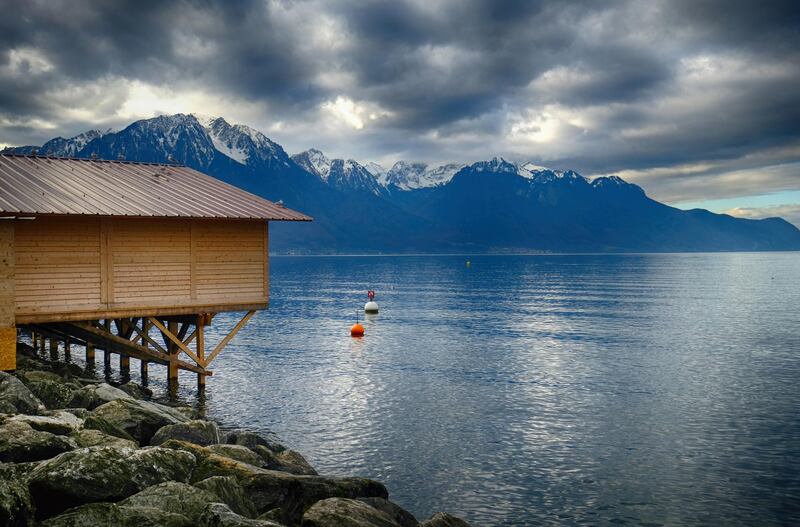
x,y
488,206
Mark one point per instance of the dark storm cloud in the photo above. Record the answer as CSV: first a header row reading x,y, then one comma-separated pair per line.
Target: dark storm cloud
x,y
597,86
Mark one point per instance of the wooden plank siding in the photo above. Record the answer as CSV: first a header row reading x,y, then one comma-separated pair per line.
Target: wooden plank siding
x,y
91,268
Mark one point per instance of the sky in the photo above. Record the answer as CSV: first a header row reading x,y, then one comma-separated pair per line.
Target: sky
x,y
697,101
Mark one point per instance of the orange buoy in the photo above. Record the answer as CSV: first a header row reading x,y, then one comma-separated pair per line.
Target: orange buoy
x,y
357,330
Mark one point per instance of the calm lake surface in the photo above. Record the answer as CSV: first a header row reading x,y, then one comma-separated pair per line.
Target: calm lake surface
x,y
535,390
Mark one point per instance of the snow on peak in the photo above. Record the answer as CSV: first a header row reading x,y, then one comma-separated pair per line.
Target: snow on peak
x,y
411,176
378,172
241,143
314,161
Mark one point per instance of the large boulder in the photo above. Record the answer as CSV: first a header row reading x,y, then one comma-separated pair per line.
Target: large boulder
x,y
393,510
220,515
237,452
110,514
87,437
20,442
251,440
58,423
16,397
341,512
16,506
175,497
201,433
137,391
285,461
140,419
92,422
270,489
229,492
54,394
103,474
94,395
442,519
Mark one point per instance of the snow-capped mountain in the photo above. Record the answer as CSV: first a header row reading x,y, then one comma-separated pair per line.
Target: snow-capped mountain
x,y
486,206
344,175
241,143
413,176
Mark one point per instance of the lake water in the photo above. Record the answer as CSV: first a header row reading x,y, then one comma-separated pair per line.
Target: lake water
x,y
535,390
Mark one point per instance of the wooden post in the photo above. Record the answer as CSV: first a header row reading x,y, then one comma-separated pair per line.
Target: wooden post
x,y
172,348
124,365
8,328
89,354
201,350
53,349
106,352
143,363
67,352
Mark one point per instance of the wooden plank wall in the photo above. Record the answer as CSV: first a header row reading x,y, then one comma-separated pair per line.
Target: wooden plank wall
x,y
92,264
8,332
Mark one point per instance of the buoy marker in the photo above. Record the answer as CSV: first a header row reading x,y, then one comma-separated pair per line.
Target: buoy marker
x,y
357,330
371,307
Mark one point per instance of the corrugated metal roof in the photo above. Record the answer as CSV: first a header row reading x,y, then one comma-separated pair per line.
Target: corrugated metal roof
x,y
67,186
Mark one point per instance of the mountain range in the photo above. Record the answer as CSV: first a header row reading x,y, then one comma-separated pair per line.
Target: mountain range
x,y
487,206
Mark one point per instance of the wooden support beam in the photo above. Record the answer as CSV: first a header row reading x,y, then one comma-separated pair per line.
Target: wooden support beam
x,y
53,349
8,321
144,334
175,341
124,365
121,345
89,353
143,370
228,338
67,351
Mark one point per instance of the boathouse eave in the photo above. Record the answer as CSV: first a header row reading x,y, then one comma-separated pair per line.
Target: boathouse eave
x,y
128,312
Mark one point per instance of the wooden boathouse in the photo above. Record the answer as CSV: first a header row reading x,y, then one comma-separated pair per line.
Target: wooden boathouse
x,y
129,258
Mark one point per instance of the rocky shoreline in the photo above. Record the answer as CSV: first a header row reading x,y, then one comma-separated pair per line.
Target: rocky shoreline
x,y
78,452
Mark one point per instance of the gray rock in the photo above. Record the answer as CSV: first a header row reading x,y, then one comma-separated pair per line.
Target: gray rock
x,y
20,442
53,394
110,514
220,515
58,423
81,413
340,512
103,474
231,493
14,394
94,395
285,461
442,519
239,453
16,506
171,496
270,489
140,419
137,391
201,433
393,510
28,376
88,437
92,422
251,440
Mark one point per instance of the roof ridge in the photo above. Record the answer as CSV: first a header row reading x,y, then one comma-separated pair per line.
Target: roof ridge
x,y
98,160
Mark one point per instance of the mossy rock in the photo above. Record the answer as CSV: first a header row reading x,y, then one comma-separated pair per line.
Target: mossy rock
x,y
229,492
393,510
251,440
443,519
175,497
54,394
110,514
201,433
19,442
285,461
99,474
342,512
237,452
16,505
86,437
139,419
220,515
93,422
15,395
93,395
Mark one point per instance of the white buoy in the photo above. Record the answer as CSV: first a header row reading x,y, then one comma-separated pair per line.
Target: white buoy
x,y
371,307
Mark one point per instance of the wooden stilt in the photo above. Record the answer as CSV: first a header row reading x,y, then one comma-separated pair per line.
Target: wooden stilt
x,y
53,349
67,351
89,355
143,371
172,373
124,365
201,351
